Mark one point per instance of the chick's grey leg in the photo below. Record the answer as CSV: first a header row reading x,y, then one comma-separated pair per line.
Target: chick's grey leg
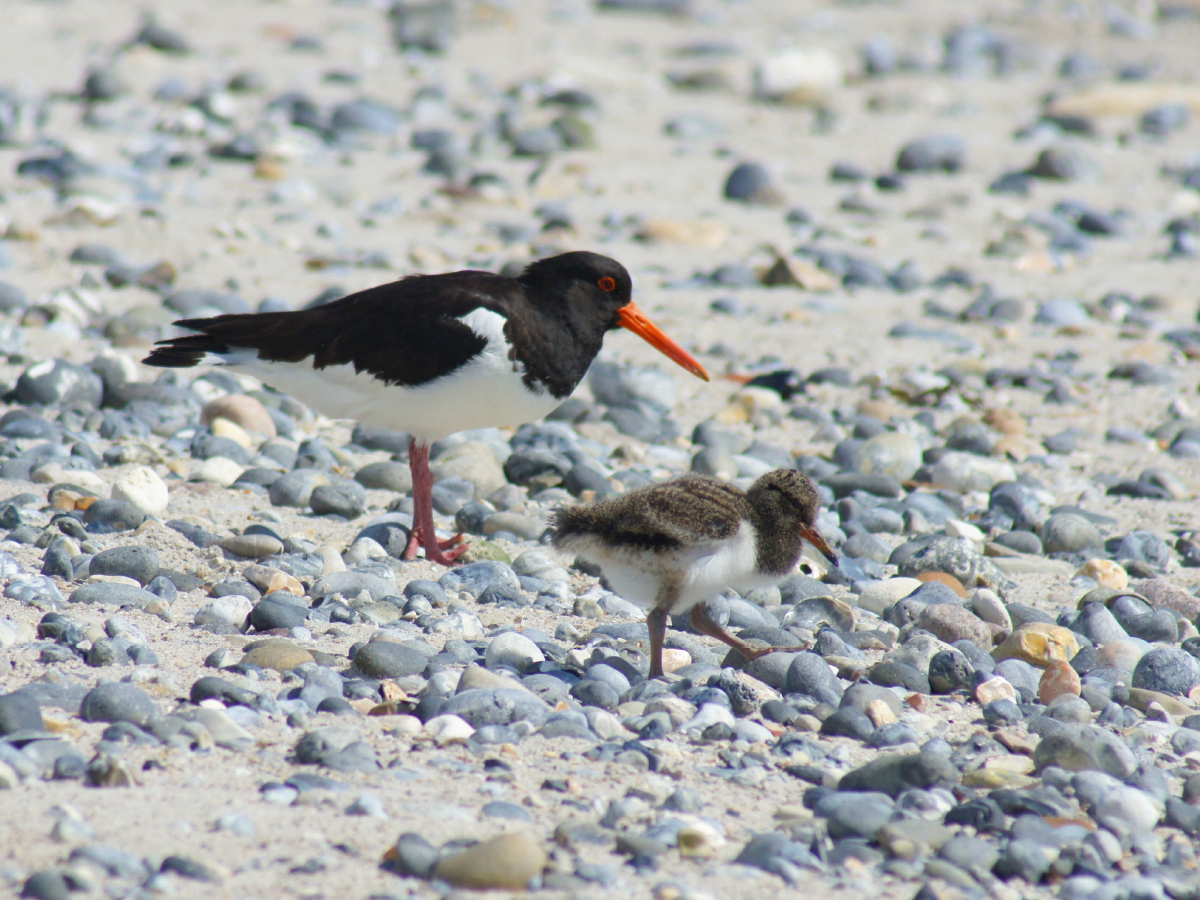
x,y
656,622
703,623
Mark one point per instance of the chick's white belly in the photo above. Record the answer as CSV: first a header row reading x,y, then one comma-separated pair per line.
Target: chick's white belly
x,y
699,571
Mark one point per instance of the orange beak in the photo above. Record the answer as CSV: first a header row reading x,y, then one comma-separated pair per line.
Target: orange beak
x,y
635,320
814,537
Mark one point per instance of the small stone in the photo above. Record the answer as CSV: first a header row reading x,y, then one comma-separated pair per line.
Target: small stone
x,y
1168,670
510,861
217,470
252,546
751,183
1069,533
388,659
385,476
241,409
1058,680
942,152
1039,644
953,623
138,562
19,712
993,689
295,488
513,649
798,76
231,609
142,487
1105,573
1078,748
118,702
283,656
879,596
448,729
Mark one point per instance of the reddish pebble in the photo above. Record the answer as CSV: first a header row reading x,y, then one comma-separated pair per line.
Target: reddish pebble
x,y
1058,679
945,578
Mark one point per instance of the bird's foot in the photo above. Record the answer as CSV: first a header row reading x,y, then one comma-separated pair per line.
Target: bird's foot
x,y
448,558
451,542
437,553
753,653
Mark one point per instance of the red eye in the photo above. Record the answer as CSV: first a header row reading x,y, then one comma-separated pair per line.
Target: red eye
x,y
607,284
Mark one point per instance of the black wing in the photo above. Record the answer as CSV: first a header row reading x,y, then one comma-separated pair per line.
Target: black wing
x,y
408,332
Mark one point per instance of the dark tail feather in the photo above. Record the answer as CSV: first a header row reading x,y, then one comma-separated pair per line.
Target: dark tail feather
x,y
184,352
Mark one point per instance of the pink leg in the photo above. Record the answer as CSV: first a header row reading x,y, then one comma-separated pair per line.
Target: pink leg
x,y
418,463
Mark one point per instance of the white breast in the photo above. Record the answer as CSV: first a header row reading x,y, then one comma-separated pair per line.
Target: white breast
x,y
701,571
486,392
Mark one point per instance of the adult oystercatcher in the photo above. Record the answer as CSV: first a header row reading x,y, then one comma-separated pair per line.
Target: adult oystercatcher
x,y
434,354
669,547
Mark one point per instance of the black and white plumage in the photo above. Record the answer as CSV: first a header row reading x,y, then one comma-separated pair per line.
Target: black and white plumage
x,y
671,546
435,354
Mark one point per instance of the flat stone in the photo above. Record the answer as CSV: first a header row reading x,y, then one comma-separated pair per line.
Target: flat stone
x,y
1038,644
510,861
137,562
879,596
389,659
113,701
1079,748
252,546
953,623
283,656
895,773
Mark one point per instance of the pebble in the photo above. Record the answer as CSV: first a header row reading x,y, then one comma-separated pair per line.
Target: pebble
x,y
142,487
1167,670
117,702
509,861
387,659
989,554
1038,644
282,656
1058,680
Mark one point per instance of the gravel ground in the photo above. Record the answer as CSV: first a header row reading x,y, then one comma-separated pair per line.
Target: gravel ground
x,y
958,252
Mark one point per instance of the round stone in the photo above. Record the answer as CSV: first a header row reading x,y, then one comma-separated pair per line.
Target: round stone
x,y
217,470
510,861
295,488
388,659
113,701
879,596
1058,680
385,476
1106,573
1168,670
241,409
893,453
513,649
1069,533
142,487
953,623
138,562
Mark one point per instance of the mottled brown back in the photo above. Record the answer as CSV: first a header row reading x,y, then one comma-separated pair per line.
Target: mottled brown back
x,y
686,511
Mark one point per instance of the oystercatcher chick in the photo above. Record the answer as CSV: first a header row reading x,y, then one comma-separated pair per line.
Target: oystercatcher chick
x,y
434,354
669,547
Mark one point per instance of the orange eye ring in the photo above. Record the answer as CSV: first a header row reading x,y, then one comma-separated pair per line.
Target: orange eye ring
x,y
607,284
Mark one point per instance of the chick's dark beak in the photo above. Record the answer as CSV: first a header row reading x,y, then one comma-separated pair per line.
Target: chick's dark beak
x,y
810,534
